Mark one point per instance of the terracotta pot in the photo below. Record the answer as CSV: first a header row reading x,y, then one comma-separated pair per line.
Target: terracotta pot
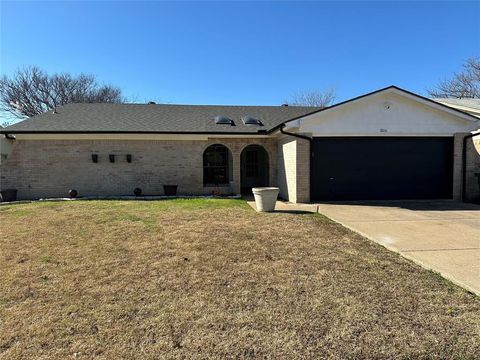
x,y
8,195
170,190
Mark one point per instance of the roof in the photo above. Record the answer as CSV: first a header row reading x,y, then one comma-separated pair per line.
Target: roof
x,y
471,103
472,106
153,118
194,119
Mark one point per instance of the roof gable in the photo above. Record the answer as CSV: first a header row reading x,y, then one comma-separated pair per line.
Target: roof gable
x,y
396,90
389,111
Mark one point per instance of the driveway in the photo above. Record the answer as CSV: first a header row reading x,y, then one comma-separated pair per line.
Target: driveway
x,y
443,236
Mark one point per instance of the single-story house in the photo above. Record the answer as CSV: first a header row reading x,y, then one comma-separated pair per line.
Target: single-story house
x,y
388,144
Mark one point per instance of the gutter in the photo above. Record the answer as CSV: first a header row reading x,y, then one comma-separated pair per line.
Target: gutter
x,y
10,132
294,135
464,163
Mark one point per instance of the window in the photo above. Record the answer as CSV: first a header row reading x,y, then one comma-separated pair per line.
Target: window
x,y
223,120
215,166
250,120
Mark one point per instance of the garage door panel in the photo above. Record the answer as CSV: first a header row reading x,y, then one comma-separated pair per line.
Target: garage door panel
x,y
382,168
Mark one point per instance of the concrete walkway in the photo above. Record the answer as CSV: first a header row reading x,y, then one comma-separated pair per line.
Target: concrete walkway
x,y
286,207
443,236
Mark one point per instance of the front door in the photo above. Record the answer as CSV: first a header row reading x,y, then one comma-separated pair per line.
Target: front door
x,y
254,167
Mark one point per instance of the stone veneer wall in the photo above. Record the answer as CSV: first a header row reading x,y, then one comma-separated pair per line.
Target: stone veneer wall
x,y
49,168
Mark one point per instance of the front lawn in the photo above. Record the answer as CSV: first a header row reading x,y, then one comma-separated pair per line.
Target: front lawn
x,y
214,279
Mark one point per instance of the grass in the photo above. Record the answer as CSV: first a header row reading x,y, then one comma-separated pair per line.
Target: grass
x,y
213,279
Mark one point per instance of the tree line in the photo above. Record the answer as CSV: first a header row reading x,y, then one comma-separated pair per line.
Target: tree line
x,y
31,90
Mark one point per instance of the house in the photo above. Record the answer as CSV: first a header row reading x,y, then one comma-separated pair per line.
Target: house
x,y
471,106
5,147
388,144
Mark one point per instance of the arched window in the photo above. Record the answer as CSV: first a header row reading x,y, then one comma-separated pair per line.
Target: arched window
x,y
216,160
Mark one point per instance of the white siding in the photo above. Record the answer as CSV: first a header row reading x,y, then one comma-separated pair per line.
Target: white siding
x,y
385,114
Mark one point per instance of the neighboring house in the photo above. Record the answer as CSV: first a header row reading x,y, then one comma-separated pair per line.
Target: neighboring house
x,y
389,144
471,106
5,147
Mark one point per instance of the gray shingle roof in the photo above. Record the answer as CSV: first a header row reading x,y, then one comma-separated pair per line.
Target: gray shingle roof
x,y
156,118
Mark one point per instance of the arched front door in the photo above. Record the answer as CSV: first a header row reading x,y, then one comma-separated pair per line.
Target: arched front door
x,y
253,168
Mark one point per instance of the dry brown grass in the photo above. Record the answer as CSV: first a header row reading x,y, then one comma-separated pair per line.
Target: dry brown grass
x,y
214,279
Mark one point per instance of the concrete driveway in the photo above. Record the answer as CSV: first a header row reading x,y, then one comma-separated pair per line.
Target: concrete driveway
x,y
440,235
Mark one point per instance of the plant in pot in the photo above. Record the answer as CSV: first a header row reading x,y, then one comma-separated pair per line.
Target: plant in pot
x,y
170,190
137,191
8,195
265,198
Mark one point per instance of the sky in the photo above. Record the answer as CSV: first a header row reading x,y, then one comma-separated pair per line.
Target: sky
x,y
249,53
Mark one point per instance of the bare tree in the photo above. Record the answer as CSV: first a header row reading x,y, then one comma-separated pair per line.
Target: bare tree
x,y
31,91
318,98
465,84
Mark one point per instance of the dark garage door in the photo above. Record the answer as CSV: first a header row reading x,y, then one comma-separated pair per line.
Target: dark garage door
x,y
369,168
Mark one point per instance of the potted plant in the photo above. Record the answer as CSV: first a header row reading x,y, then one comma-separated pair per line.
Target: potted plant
x,y
137,191
265,198
8,195
170,190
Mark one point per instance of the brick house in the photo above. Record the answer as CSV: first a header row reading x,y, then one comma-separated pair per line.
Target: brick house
x,y
388,144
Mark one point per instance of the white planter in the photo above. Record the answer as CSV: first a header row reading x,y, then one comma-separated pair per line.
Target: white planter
x,y
265,198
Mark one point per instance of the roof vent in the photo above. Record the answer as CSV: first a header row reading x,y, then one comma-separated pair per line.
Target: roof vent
x,y
151,103
223,120
250,120
284,104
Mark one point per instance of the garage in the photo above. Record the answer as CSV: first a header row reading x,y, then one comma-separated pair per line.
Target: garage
x,y
381,168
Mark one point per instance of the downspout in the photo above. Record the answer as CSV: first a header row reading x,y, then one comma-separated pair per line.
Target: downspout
x,y
464,163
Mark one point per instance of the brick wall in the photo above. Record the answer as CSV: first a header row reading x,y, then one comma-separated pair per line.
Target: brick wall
x,y
473,167
303,170
294,169
49,168
457,166
287,159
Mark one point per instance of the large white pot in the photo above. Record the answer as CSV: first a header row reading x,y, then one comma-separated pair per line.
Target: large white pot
x,y
265,198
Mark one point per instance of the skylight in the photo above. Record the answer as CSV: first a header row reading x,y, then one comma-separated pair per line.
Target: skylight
x,y
250,120
223,120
